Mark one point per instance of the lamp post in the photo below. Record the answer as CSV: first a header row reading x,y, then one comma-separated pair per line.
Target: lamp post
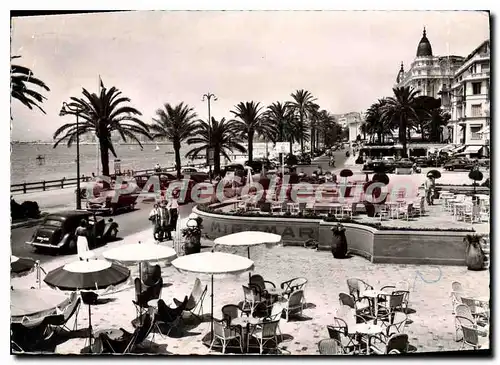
x,y
208,97
64,111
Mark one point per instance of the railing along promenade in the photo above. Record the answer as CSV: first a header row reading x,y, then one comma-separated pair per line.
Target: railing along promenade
x,y
64,182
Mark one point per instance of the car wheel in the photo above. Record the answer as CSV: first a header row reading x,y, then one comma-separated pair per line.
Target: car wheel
x,y
451,168
72,245
112,211
113,233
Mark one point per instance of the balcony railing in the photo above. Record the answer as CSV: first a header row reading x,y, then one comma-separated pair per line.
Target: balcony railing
x,y
478,76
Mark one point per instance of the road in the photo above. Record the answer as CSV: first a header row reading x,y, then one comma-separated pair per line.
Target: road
x,y
137,220
128,222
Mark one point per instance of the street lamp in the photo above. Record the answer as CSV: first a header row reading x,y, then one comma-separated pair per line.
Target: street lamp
x,y
208,97
64,110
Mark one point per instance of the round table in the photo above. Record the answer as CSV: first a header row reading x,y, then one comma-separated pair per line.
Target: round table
x,y
243,322
366,329
275,292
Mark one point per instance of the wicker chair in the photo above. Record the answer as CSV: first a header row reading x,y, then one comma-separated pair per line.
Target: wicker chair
x,y
356,288
339,331
398,342
390,303
456,293
294,304
232,311
292,285
470,334
252,299
477,311
261,285
394,323
264,333
361,308
225,333
329,346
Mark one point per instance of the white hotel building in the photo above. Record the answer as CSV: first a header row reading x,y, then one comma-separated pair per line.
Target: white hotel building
x,y
462,84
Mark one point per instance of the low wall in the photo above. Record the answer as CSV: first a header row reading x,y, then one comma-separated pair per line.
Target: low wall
x,y
378,246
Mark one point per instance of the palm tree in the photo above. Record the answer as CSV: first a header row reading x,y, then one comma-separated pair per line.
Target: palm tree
x,y
20,79
251,123
327,125
438,118
222,135
284,122
375,124
176,123
399,111
303,104
102,114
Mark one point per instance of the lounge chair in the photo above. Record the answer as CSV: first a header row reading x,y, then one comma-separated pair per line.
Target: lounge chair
x,y
128,342
172,317
144,293
71,309
195,300
329,346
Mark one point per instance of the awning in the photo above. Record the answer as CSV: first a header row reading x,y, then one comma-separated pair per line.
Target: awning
x,y
457,149
472,149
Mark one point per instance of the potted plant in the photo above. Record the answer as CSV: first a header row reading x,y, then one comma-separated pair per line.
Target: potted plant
x,y
192,235
339,242
474,255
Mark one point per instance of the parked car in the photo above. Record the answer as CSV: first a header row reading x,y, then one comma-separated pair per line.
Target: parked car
x,y
194,174
458,164
258,163
107,203
379,166
164,178
57,231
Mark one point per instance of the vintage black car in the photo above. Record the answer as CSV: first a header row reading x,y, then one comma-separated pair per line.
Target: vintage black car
x,y
458,164
379,166
57,231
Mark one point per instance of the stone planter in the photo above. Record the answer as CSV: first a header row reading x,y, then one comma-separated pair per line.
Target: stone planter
x,y
339,242
474,255
192,245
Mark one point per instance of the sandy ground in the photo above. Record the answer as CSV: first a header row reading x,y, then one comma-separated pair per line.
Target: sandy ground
x,y
432,324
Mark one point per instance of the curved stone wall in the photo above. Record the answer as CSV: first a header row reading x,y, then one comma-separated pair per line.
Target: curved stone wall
x,y
378,246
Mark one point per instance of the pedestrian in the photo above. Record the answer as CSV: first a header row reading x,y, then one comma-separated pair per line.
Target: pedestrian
x,y
429,189
82,243
157,167
159,217
173,213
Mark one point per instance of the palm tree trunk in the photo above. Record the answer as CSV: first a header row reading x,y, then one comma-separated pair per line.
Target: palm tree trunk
x,y
291,146
250,147
177,150
216,160
104,156
402,135
301,128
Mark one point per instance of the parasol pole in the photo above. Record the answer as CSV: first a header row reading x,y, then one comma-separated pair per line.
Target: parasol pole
x,y
249,274
212,310
90,330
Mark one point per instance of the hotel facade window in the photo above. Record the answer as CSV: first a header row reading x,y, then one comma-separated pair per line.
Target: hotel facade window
x,y
474,132
476,110
476,88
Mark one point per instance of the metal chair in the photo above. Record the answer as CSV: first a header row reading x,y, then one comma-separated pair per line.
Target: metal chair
x,y
329,346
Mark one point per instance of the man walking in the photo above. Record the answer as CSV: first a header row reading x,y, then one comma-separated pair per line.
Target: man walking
x,y
429,189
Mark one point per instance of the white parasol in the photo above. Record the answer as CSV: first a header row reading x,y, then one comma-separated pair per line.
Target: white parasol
x,y
33,305
213,263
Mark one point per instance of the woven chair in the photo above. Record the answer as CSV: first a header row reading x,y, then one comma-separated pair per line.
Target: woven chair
x,y
470,334
275,314
390,303
195,301
225,333
477,311
356,288
261,285
339,331
362,308
292,285
456,293
294,304
329,346
251,299
232,311
404,285
394,323
398,342
264,333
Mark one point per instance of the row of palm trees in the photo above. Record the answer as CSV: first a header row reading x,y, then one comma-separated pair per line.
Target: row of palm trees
x,y
109,112
298,120
406,111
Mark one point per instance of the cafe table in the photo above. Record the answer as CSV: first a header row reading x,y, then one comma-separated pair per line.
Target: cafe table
x,y
367,329
244,322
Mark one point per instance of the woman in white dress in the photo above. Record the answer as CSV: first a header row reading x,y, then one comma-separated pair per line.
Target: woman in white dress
x,y
82,243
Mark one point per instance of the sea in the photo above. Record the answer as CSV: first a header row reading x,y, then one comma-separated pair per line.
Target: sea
x,y
60,162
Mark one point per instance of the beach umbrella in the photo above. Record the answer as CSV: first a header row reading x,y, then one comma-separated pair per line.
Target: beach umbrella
x,y
213,263
21,266
87,275
33,305
137,253
381,178
475,175
434,173
247,239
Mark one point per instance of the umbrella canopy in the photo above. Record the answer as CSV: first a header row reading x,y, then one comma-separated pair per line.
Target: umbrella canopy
x,y
381,178
134,253
346,173
87,275
476,175
21,266
249,238
213,263
35,303
434,173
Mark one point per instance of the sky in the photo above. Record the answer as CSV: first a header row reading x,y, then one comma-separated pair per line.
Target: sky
x,y
346,59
